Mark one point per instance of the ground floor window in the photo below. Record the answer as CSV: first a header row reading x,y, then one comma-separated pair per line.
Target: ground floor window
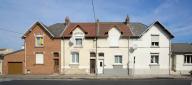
x,y
75,57
118,59
39,58
188,59
155,58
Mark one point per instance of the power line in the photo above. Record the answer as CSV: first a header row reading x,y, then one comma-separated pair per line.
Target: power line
x,y
2,29
94,15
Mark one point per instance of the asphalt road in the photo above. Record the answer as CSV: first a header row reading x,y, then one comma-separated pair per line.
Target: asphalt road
x,y
99,82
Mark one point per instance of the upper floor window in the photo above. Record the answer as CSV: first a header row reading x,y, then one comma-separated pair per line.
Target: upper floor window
x,y
188,59
118,59
39,41
155,40
155,58
75,57
39,58
78,41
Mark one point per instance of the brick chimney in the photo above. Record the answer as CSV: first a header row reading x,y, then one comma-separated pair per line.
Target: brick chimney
x,y
67,20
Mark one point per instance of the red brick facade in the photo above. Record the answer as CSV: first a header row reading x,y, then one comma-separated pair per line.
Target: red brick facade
x,y
50,46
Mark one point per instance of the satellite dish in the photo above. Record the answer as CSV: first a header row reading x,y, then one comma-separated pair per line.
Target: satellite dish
x,y
134,46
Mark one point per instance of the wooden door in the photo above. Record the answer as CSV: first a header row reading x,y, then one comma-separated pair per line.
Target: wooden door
x,y
15,68
56,65
92,66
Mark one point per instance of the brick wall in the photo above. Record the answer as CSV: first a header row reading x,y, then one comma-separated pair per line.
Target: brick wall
x,y
13,57
50,46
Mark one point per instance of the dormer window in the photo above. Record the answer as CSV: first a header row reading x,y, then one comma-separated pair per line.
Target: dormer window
x,y
78,41
39,41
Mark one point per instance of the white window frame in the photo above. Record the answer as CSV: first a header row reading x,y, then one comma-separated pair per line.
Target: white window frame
x,y
119,59
79,45
76,55
36,41
153,58
156,42
186,59
37,55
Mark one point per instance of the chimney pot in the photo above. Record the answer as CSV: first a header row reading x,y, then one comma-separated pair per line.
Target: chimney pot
x,y
67,20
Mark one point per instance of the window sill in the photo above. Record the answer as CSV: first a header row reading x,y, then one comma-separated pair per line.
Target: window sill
x,y
117,64
39,46
155,47
114,46
187,64
39,64
154,64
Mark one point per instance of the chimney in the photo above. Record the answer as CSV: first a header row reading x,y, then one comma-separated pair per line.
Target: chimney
x,y
127,20
67,20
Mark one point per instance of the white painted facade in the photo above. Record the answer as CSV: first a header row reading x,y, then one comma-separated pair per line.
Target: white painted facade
x,y
144,50
180,67
110,47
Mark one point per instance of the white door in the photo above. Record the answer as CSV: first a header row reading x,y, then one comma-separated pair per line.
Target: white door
x,y
100,66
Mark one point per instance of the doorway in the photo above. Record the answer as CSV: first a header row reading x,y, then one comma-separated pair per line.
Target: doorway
x,y
100,66
56,65
92,66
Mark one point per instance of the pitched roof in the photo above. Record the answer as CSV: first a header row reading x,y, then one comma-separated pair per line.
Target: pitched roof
x,y
104,27
44,27
138,28
162,27
57,29
181,48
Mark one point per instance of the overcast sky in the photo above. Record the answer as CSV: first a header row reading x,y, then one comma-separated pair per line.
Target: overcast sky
x,y
19,15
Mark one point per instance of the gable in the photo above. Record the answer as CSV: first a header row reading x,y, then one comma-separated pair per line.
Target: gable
x,y
158,25
38,25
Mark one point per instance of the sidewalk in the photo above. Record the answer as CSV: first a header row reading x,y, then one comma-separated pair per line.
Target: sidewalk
x,y
57,77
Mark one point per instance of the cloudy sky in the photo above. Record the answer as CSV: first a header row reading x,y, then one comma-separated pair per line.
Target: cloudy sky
x,y
19,15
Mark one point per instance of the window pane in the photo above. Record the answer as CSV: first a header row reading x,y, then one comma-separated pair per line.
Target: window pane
x,y
78,41
120,59
39,58
116,59
101,54
188,59
191,58
185,59
156,59
152,59
92,54
77,57
73,58
39,41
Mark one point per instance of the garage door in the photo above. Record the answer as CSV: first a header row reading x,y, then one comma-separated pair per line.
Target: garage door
x,y
15,68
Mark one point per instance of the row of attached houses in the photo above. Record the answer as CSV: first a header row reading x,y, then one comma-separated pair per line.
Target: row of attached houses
x,y
102,48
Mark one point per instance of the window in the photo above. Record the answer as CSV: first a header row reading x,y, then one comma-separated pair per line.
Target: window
x,y
154,59
92,54
56,54
188,59
101,54
78,41
118,59
154,40
75,58
39,41
39,58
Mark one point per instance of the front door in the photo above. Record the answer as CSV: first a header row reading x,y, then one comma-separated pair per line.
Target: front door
x,y
92,66
56,65
100,66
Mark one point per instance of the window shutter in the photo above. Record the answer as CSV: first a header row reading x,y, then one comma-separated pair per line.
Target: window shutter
x,y
39,58
155,38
